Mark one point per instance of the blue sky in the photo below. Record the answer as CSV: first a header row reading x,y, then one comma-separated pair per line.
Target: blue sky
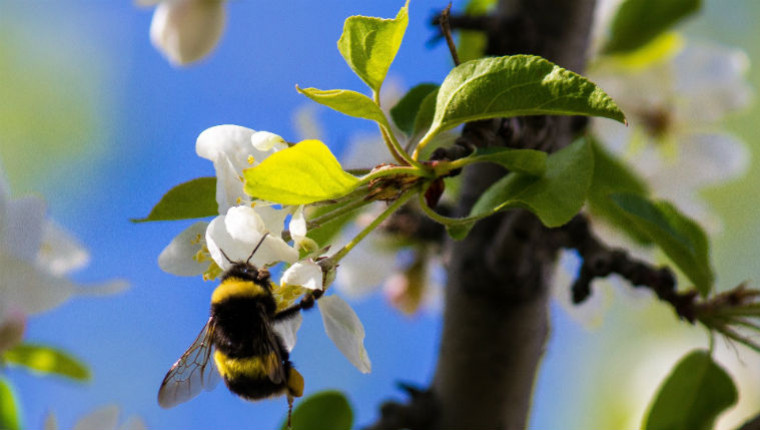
x,y
142,117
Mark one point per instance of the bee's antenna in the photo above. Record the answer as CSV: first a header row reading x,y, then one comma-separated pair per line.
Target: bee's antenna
x,y
225,256
257,247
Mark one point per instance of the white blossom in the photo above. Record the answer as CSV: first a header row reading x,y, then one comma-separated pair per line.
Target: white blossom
x,y
104,418
185,31
240,231
232,149
36,255
306,274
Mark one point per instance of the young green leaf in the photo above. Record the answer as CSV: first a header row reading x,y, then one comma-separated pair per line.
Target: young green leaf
x,y
370,44
637,22
680,238
192,199
528,161
46,360
555,197
613,176
9,411
304,173
324,410
405,111
347,102
693,395
516,85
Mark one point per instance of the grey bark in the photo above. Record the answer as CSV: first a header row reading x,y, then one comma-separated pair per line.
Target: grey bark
x,y
496,305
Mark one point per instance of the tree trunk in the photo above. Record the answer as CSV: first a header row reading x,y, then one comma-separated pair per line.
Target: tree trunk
x,y
496,312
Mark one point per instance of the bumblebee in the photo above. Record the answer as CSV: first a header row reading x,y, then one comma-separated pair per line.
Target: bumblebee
x,y
247,352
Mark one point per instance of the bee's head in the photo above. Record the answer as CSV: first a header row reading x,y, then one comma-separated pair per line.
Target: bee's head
x,y
246,270
249,272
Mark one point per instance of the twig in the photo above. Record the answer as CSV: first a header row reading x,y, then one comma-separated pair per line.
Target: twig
x,y
601,261
443,22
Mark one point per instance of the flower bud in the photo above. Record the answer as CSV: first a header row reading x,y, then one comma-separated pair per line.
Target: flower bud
x,y
187,30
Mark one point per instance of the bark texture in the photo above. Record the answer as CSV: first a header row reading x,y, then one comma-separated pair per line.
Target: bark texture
x,y
496,312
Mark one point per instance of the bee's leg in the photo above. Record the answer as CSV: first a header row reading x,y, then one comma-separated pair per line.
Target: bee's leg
x,y
305,303
263,275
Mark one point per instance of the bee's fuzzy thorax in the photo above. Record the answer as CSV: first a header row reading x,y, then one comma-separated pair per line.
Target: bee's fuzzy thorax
x,y
237,287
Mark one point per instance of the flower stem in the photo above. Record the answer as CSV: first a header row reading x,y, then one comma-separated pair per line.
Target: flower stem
x,y
391,171
372,226
349,207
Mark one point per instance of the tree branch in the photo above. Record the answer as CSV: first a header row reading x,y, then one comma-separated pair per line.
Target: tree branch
x,y
496,313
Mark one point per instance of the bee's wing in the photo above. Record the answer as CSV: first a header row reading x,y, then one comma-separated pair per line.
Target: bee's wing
x,y
192,372
275,369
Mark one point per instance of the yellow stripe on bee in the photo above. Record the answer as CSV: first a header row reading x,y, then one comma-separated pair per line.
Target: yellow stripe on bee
x,y
235,287
255,367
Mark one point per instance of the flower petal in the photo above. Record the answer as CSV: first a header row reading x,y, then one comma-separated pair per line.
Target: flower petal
x,y
238,233
225,141
365,268
60,252
287,330
187,30
25,219
107,288
345,330
181,256
305,273
105,418
28,289
266,141
133,423
51,422
297,226
273,219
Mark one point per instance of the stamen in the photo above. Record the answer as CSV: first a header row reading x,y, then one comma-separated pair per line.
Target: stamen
x,y
251,160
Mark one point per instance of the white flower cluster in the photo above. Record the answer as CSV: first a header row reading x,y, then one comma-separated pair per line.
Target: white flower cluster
x,y
676,106
206,247
36,255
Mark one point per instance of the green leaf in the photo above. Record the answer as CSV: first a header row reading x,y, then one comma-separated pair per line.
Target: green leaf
x,y
637,22
370,44
46,360
528,161
405,111
555,197
516,85
304,173
613,176
425,114
324,410
347,102
680,238
192,199
693,396
9,410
